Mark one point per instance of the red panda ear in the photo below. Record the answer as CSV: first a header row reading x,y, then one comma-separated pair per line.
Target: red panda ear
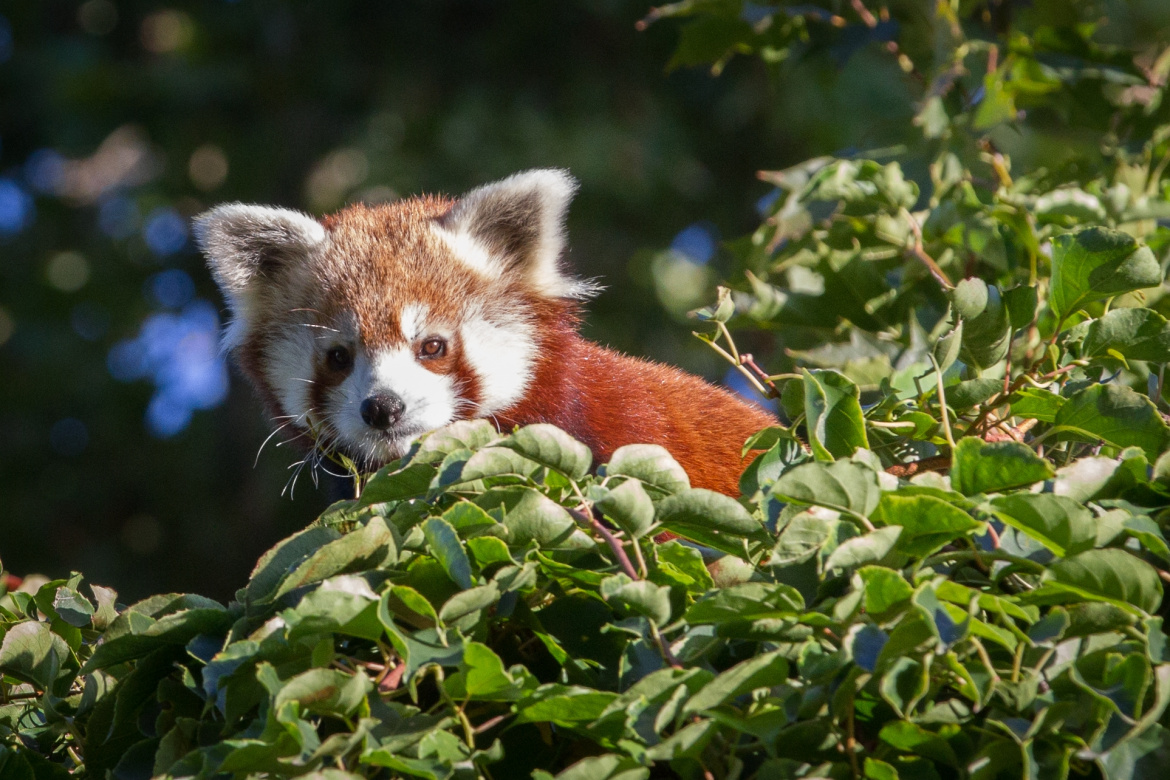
x,y
246,245
516,226
248,248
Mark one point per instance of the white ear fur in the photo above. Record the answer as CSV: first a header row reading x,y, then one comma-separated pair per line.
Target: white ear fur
x,y
247,246
244,243
517,226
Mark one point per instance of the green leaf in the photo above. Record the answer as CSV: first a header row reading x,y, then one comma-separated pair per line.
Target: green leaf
x,y
884,589
867,548
444,544
460,435
706,510
946,349
927,522
991,467
1115,414
563,705
33,653
844,486
762,671
366,547
549,446
285,556
1059,523
1021,304
1135,334
651,464
1034,403
904,684
987,329
629,507
537,518
832,412
495,461
73,608
1111,575
747,601
641,597
607,767
1095,264
325,691
407,482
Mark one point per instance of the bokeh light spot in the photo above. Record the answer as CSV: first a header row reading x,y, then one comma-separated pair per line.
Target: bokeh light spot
x,y
16,208
118,217
335,176
45,171
165,231
166,31
208,167
180,354
97,17
696,242
67,271
172,288
69,437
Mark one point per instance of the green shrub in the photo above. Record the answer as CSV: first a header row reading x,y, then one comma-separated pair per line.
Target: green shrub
x,y
949,564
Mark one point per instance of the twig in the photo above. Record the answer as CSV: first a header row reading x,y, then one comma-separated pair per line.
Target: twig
x,y
919,252
664,648
619,552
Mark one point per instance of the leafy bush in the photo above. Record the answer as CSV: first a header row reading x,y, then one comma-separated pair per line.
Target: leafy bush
x,y
949,562
468,616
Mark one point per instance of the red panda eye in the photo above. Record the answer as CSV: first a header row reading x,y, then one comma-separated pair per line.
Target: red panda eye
x,y
339,359
432,348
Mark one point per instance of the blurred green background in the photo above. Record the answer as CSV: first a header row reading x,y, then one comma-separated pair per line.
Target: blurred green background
x,y
126,449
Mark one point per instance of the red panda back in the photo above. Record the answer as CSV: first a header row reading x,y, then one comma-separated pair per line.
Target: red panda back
x,y
607,399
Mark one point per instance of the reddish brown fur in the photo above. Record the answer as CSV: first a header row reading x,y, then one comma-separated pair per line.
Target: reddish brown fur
x,y
607,399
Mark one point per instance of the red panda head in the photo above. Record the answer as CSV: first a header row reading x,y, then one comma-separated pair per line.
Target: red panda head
x,y
380,323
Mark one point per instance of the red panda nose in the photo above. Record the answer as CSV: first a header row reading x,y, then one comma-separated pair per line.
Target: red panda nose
x,y
382,410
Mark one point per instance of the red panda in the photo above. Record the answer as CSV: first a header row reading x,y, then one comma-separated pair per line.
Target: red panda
x,y
380,323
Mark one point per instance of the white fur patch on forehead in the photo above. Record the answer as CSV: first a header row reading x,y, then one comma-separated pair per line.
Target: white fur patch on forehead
x,y
413,320
502,356
515,228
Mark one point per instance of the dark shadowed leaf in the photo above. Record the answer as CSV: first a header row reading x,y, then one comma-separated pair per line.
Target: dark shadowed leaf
x,y
444,544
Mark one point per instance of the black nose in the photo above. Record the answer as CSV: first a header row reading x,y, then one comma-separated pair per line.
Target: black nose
x,y
382,410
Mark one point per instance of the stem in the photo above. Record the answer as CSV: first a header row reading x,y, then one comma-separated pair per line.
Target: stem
x,y
942,402
985,658
970,555
735,362
664,648
920,252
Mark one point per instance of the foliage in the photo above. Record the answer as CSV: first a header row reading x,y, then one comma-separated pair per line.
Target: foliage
x,y
471,615
947,562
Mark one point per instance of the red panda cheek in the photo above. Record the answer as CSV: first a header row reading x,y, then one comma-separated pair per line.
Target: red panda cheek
x,y
467,387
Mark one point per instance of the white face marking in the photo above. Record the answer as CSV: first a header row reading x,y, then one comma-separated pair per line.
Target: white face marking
x,y
470,252
290,369
502,356
414,321
430,402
